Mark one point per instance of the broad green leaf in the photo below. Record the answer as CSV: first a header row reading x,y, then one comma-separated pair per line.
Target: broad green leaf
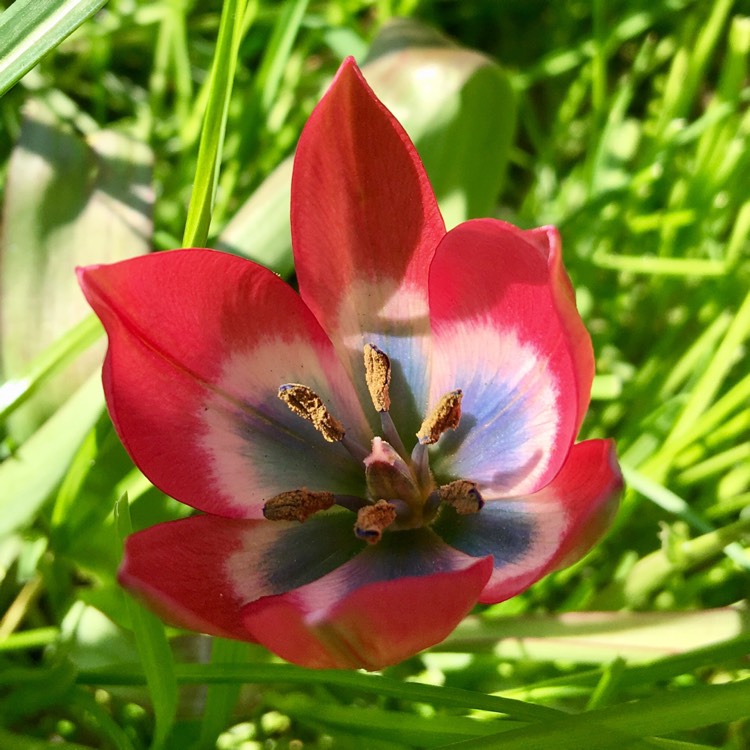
x,y
19,388
69,201
29,29
459,109
598,637
29,477
260,228
457,105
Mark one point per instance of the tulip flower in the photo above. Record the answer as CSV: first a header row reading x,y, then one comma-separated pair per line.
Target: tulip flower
x,y
376,454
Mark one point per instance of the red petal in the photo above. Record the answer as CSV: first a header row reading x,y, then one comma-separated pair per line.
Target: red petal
x,y
199,572
226,577
336,622
506,331
365,224
568,516
589,486
199,343
548,240
179,569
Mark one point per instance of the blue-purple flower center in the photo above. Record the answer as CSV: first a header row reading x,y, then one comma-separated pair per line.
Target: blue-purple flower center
x,y
401,491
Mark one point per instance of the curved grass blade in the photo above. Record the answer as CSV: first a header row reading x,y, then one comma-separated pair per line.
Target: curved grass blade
x,y
614,726
29,476
262,674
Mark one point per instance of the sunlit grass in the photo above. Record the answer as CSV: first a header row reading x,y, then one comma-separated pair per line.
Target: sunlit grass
x,y
631,136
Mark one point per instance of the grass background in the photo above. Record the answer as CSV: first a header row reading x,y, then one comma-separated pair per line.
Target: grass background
x,y
158,124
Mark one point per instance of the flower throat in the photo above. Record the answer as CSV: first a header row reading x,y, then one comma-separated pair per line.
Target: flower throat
x,y
401,492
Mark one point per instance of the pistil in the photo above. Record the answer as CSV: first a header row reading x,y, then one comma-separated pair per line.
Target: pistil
x,y
389,476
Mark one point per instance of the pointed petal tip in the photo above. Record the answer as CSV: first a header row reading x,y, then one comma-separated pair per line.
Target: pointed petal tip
x,y
349,63
545,238
84,274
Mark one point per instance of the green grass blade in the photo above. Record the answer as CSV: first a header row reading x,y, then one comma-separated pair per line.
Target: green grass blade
x,y
714,656
221,698
708,386
214,124
29,29
688,267
278,51
12,741
153,648
618,726
369,723
286,673
15,391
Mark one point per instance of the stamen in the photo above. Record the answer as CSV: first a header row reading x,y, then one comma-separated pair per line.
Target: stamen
x,y
351,502
304,402
373,520
445,416
420,461
391,433
462,495
297,505
356,450
378,376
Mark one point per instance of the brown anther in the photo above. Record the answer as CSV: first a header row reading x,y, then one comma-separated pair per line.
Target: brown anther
x,y
297,505
372,520
445,416
462,495
378,376
304,402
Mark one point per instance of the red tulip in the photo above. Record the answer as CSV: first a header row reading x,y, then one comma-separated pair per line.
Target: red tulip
x,y
376,454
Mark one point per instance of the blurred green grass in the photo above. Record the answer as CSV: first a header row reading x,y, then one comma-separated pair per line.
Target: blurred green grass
x,y
632,137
